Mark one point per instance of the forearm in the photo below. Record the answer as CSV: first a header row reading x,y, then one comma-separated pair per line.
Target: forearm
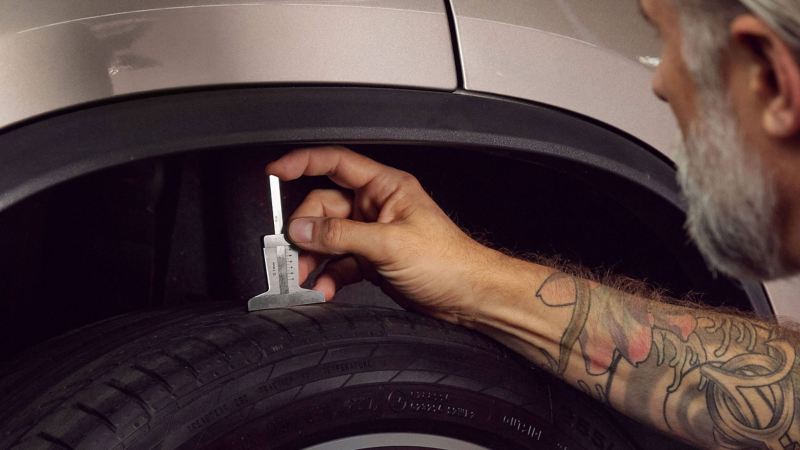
x,y
712,379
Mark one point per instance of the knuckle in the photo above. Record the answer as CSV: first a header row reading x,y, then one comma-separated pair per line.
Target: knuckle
x,y
407,180
316,193
413,187
318,196
340,148
325,195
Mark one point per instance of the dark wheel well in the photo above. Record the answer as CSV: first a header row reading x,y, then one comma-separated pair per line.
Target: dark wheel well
x,y
165,203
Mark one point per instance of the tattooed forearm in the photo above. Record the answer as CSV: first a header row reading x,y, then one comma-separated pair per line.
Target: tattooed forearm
x,y
580,314
715,380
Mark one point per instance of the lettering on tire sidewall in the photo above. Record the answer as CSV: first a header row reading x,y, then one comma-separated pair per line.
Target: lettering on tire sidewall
x,y
427,401
511,423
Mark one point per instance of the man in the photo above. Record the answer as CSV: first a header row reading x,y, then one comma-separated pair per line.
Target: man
x,y
730,72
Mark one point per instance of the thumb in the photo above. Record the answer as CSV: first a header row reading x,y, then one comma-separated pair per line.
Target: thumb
x,y
335,236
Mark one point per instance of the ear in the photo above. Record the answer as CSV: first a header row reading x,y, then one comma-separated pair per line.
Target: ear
x,y
774,75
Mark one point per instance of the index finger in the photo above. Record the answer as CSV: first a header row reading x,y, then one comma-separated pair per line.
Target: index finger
x,y
345,167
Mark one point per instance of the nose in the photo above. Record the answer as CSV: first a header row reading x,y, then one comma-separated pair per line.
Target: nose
x,y
661,96
658,86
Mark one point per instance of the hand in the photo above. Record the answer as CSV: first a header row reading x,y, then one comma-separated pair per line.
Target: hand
x,y
386,229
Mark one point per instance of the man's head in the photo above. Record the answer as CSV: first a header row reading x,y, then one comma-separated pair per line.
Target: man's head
x,y
729,70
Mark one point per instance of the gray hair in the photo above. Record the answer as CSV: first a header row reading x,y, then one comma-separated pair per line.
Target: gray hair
x,y
782,15
713,17
705,29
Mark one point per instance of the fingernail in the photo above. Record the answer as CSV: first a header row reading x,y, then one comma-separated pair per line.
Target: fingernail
x,y
300,230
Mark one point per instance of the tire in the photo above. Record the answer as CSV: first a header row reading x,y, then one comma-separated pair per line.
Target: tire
x,y
214,376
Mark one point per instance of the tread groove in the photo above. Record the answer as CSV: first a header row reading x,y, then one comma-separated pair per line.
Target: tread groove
x,y
350,323
184,363
311,318
213,345
96,414
54,440
116,385
156,376
247,337
276,323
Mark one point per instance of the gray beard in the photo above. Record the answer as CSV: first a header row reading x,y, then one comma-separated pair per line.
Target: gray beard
x,y
731,201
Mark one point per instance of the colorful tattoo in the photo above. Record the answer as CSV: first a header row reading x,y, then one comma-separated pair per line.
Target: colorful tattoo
x,y
729,382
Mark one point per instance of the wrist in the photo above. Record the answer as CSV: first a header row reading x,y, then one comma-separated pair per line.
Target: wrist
x,y
500,287
508,310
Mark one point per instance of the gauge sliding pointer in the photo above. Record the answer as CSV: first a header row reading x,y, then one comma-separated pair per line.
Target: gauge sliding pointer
x,y
282,265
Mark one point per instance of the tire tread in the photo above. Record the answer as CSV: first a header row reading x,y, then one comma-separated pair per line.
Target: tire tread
x,y
164,360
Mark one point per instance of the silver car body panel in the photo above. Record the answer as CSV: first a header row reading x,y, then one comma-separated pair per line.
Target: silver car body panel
x,y
783,294
592,57
57,54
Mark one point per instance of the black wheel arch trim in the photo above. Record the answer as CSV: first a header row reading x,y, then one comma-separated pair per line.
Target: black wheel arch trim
x,y
58,147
